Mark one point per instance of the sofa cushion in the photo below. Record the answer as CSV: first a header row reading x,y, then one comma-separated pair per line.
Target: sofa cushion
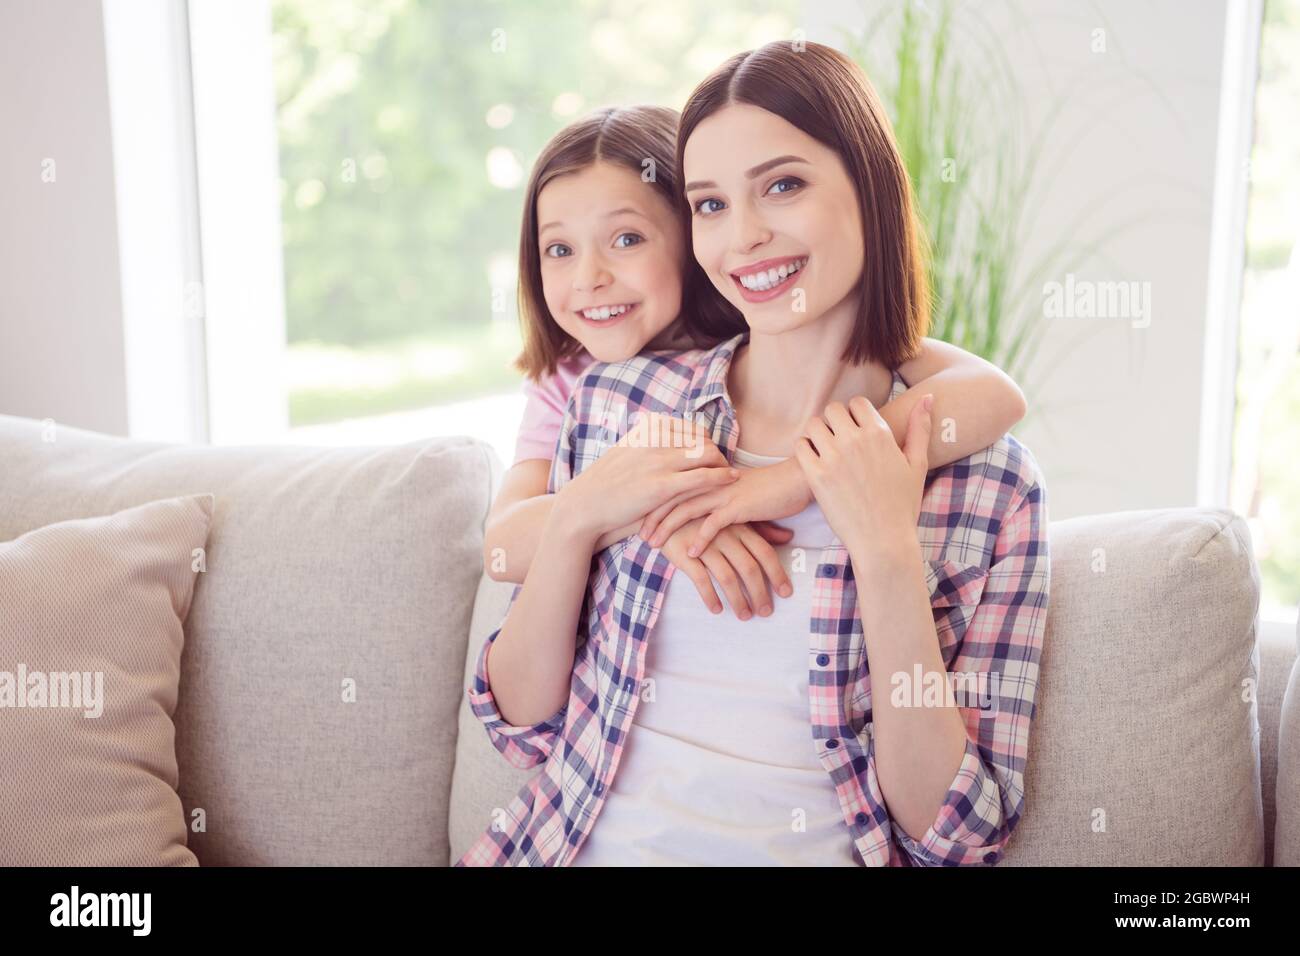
x,y
326,641
484,782
1145,750
91,615
1286,841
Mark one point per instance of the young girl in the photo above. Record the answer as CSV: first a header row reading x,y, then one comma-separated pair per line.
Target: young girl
x,y
670,737
602,254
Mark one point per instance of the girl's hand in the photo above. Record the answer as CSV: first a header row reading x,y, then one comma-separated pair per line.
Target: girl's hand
x,y
869,489
758,495
737,554
659,459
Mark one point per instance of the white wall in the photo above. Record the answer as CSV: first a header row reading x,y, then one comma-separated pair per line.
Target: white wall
x,y
1115,410
61,342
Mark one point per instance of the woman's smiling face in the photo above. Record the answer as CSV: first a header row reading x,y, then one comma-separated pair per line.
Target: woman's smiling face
x,y
611,259
773,213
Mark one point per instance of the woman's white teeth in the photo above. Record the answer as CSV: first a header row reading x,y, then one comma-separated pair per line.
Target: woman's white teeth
x,y
758,281
605,312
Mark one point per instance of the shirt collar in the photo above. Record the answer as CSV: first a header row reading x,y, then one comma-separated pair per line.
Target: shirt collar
x,y
711,379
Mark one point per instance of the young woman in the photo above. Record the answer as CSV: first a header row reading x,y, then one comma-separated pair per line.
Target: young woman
x,y
835,733
602,253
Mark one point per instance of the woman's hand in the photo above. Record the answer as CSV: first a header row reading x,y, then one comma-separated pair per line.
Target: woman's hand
x,y
869,489
659,459
758,495
737,554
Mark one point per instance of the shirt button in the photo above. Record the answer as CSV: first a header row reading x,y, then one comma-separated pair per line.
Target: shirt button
x,y
629,684
832,743
861,819
827,571
600,788
991,857
823,660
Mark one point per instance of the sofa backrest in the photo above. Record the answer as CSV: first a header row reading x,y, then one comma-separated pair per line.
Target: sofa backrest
x,y
324,566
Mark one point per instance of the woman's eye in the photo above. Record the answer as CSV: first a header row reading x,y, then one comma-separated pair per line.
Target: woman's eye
x,y
557,250
790,182
632,236
704,208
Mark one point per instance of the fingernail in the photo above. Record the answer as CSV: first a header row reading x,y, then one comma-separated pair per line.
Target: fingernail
x,y
786,590
765,610
734,473
693,551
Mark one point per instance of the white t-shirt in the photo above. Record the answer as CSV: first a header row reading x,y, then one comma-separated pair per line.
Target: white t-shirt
x,y
720,768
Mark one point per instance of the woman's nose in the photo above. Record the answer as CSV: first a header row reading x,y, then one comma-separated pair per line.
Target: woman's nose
x,y
750,231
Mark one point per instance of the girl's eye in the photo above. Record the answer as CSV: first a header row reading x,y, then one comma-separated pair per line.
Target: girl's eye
x,y
620,244
557,250
703,208
791,182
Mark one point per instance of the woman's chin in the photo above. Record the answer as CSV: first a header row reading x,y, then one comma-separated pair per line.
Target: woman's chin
x,y
774,321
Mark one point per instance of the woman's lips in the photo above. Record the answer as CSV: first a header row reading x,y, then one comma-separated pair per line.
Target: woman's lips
x,y
755,295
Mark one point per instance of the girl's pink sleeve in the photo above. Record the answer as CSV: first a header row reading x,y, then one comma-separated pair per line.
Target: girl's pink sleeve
x,y
544,411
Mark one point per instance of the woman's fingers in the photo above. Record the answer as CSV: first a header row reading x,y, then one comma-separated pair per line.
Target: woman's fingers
x,y
819,435
839,419
682,512
709,530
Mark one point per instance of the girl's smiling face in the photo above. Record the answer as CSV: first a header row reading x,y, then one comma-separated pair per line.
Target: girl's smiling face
x,y
612,252
773,213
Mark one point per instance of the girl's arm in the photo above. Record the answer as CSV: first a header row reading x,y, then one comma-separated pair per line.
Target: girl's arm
x,y
531,663
975,402
514,525
531,659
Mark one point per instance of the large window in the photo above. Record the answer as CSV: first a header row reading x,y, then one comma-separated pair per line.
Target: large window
x,y
406,132
1266,453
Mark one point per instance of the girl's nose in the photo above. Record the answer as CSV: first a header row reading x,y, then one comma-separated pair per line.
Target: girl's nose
x,y
591,275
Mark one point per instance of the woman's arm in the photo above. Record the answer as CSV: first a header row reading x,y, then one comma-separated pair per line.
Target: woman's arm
x,y
952,777
514,525
975,402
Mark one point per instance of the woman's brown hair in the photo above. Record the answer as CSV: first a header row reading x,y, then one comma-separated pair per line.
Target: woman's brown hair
x,y
639,138
824,93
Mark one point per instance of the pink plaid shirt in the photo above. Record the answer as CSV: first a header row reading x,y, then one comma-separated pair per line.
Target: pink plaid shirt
x,y
983,536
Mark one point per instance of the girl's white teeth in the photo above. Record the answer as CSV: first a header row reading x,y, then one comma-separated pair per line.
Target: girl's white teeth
x,y
605,312
758,281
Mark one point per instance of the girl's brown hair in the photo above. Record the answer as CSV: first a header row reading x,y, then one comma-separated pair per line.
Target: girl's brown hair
x,y
828,96
639,138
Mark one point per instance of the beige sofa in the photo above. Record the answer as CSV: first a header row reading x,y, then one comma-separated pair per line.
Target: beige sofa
x,y
1162,735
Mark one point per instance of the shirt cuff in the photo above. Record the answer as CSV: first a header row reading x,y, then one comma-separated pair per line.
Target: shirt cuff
x,y
968,830
523,745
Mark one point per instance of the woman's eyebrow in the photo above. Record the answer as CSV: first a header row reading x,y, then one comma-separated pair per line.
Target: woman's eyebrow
x,y
758,170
